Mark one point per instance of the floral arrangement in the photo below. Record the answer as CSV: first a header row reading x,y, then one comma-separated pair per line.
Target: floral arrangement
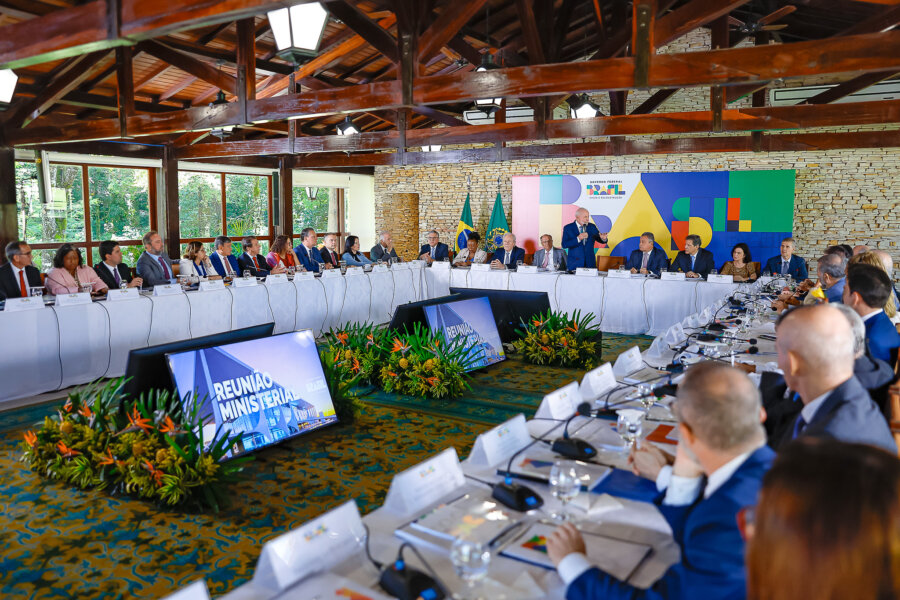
x,y
150,448
419,363
560,340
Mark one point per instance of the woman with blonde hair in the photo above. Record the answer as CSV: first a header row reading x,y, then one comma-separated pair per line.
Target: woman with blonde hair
x,y
870,258
827,526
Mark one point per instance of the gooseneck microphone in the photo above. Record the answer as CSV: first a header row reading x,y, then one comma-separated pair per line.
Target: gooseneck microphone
x,y
515,495
575,448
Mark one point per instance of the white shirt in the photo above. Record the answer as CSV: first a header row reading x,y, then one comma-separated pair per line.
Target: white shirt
x,y
112,271
872,314
226,264
809,411
16,270
680,491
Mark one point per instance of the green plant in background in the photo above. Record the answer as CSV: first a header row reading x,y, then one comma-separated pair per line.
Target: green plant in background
x,y
154,449
557,339
422,363
358,351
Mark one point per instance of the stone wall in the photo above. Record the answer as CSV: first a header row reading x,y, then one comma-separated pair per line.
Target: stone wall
x,y
398,212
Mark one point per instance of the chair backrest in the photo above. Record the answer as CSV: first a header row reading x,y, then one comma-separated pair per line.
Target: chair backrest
x,y
176,269
529,259
605,263
758,267
894,406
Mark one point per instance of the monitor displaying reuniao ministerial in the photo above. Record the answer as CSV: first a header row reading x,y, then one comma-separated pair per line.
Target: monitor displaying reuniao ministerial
x,y
264,390
471,319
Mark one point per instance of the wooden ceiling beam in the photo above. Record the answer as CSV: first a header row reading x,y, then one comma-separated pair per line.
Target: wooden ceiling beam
x,y
690,16
265,67
654,101
439,116
446,26
371,32
188,64
531,32
868,53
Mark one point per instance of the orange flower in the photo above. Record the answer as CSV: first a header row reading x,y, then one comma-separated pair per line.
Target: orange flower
x,y
355,365
433,381
30,438
545,348
342,337
399,346
537,323
68,405
66,451
85,412
108,459
168,425
337,357
565,342
155,474
392,374
136,421
573,328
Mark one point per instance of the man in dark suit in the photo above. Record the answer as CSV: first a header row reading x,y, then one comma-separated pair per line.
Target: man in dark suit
x,y
578,240
222,260
721,438
508,256
330,257
17,275
434,249
251,261
831,272
112,270
154,266
815,351
787,263
307,252
694,261
384,249
866,291
647,258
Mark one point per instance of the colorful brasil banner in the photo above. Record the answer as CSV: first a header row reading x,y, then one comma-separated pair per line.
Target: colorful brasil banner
x,y
722,207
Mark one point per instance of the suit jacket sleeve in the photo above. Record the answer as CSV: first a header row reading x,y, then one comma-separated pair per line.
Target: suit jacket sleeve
x,y
802,273
561,264
105,276
377,252
634,260
442,252
570,236
595,234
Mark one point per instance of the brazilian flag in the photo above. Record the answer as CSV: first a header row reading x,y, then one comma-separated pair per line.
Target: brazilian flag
x,y
497,227
465,226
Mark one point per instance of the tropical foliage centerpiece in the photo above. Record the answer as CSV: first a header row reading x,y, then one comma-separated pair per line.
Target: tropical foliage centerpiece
x,y
151,448
557,339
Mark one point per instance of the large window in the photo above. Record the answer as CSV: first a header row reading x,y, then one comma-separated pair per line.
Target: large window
x,y
247,205
323,211
118,207
200,205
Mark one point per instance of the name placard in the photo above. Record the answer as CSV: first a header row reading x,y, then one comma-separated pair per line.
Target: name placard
x,y
353,271
497,445
628,362
29,303
212,284
672,276
481,267
441,265
126,294
330,273
311,275
380,269
320,544
719,278
527,269
561,403
73,299
424,484
597,382
619,273
168,289
401,266
276,278
242,282
417,263
587,272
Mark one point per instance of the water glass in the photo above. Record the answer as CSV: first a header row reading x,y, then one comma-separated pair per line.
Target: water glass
x,y
518,264
663,270
36,292
621,267
291,271
321,267
123,285
630,427
247,273
713,271
86,288
470,561
565,483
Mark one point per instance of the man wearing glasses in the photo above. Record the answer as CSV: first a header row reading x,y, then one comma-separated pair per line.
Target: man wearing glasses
x,y
18,274
434,250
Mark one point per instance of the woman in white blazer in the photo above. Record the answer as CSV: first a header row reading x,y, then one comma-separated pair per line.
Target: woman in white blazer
x,y
195,262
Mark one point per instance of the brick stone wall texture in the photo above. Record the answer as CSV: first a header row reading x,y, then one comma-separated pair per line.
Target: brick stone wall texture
x,y
840,196
399,214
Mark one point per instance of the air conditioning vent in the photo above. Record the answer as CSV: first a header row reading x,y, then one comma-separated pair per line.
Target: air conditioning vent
x,y
884,90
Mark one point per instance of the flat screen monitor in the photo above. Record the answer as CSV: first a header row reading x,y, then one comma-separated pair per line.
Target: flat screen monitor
x,y
470,319
410,313
147,369
263,391
509,307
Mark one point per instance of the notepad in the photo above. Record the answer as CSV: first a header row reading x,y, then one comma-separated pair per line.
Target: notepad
x,y
475,519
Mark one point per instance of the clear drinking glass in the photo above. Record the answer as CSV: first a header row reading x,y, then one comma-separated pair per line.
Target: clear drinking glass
x,y
321,267
36,292
470,561
123,285
86,288
630,427
663,270
247,273
565,484
713,271
518,263
291,271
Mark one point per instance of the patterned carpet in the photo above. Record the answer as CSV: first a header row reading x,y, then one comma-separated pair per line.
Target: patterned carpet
x,y
65,543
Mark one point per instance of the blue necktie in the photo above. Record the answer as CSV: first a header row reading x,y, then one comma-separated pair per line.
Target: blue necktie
x,y
799,426
693,258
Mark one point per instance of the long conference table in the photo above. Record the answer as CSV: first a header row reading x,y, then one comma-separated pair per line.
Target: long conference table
x,y
60,346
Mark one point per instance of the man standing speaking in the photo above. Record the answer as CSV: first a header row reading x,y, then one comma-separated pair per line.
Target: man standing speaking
x,y
578,239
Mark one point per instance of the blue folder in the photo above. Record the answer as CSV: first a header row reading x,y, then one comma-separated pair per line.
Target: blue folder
x,y
625,484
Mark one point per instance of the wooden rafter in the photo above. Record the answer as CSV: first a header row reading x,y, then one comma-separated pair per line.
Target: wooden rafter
x,y
188,64
359,22
446,26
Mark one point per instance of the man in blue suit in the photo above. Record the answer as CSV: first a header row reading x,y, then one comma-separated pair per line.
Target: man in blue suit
x,y
222,260
509,255
309,255
434,250
721,437
578,240
815,347
831,271
251,261
647,258
694,261
787,263
867,290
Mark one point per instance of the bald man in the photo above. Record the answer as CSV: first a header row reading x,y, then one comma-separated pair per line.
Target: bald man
x,y
860,249
816,352
578,240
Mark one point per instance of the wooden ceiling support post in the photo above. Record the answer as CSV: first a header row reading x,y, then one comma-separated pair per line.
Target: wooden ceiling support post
x,y
9,224
642,40
246,55
286,194
170,191
124,88
719,40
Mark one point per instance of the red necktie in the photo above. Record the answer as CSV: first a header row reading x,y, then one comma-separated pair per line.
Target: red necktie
x,y
22,284
255,263
164,267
